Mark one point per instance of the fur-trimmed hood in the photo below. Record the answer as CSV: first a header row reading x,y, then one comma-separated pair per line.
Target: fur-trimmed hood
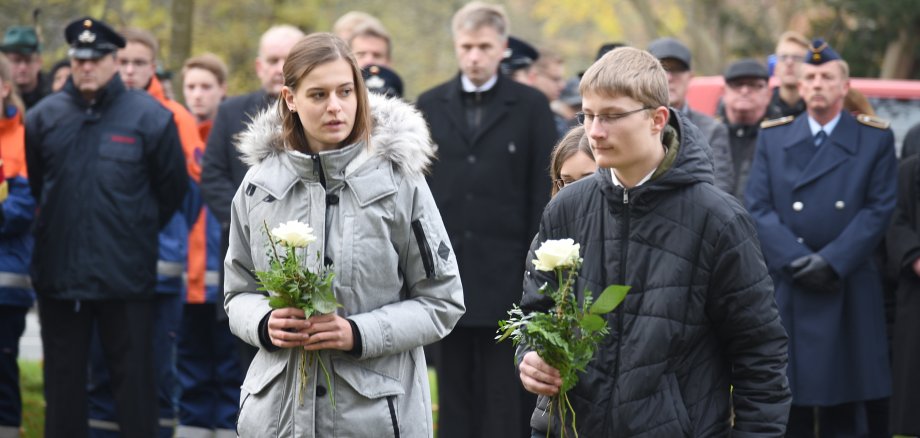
x,y
399,135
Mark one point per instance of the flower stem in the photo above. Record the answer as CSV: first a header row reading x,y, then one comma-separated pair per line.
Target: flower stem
x,y
303,373
271,241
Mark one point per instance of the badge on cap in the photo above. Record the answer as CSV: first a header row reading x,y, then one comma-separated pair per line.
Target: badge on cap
x,y
821,52
816,52
86,37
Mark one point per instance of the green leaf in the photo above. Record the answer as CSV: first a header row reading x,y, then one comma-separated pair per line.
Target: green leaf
x,y
609,299
592,322
324,302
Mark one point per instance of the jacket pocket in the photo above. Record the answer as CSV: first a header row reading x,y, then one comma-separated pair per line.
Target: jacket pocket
x,y
120,163
260,400
368,395
677,400
424,248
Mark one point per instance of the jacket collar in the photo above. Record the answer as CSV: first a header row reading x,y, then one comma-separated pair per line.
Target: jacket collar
x,y
104,96
399,138
686,162
503,101
840,146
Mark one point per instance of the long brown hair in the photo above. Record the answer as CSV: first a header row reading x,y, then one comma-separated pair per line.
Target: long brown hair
x,y
6,75
311,51
575,141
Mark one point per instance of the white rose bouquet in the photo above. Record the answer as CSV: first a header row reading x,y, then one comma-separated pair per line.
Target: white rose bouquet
x,y
290,283
567,335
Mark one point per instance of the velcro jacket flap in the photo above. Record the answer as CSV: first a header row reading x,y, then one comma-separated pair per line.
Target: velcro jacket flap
x,y
265,367
274,177
370,187
370,377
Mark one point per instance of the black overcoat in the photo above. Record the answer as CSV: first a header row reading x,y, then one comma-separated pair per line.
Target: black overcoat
x,y
490,187
903,244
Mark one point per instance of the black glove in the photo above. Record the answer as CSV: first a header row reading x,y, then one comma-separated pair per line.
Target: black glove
x,y
813,273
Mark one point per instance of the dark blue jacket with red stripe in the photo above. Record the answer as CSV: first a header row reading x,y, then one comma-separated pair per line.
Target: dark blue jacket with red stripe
x,y
106,175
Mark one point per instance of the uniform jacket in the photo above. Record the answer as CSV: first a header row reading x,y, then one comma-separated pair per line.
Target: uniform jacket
x,y
221,168
903,244
396,277
490,187
716,134
18,212
204,251
106,175
837,201
173,238
699,318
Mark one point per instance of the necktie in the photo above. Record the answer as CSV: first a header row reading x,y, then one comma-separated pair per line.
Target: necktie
x,y
820,137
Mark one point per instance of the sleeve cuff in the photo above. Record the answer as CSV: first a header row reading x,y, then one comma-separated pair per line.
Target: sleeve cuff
x,y
357,348
264,339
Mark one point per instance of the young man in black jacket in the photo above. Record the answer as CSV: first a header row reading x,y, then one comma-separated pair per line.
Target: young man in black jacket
x,y
700,318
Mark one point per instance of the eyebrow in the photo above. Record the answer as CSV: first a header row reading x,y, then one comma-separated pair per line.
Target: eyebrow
x,y
337,86
606,110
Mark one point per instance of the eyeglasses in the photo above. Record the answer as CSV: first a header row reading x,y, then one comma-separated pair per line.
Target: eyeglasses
x,y
753,85
787,57
560,183
606,119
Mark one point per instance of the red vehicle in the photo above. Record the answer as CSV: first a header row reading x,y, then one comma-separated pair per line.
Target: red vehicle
x,y
895,100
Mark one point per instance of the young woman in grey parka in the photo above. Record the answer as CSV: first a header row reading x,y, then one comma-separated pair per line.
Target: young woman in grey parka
x,y
313,159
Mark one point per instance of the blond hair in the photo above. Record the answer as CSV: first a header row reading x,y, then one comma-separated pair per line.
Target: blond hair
x,y
627,72
345,26
372,29
476,14
208,62
791,36
140,36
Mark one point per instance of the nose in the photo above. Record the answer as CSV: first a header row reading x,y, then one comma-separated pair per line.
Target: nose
x,y
475,54
335,105
595,130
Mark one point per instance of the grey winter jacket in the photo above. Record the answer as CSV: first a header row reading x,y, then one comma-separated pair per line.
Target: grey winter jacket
x,y
700,316
396,277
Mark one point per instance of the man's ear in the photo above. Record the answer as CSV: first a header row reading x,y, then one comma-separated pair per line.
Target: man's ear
x,y
660,118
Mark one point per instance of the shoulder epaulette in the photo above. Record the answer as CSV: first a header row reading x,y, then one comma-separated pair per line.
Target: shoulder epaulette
x,y
873,121
776,122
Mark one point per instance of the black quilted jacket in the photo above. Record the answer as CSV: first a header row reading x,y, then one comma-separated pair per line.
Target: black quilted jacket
x,y
700,318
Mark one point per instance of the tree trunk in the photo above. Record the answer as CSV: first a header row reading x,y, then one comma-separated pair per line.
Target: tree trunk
x,y
180,39
899,59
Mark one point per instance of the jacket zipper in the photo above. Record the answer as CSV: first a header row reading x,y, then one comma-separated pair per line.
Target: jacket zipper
x,y
318,168
393,415
616,367
424,249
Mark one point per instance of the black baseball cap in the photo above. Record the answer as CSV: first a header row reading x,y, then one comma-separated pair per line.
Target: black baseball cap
x,y
746,68
665,48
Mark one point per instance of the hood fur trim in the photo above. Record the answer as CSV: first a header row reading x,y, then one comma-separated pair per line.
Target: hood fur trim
x,y
399,135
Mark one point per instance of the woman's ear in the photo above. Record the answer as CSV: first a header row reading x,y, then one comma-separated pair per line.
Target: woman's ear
x,y
288,95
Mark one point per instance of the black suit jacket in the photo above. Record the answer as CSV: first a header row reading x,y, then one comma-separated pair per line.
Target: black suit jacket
x,y
490,187
221,168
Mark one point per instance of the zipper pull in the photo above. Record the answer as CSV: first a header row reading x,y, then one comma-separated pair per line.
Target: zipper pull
x,y
625,196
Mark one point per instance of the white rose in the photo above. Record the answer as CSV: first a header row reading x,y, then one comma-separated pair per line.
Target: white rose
x,y
557,254
294,233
